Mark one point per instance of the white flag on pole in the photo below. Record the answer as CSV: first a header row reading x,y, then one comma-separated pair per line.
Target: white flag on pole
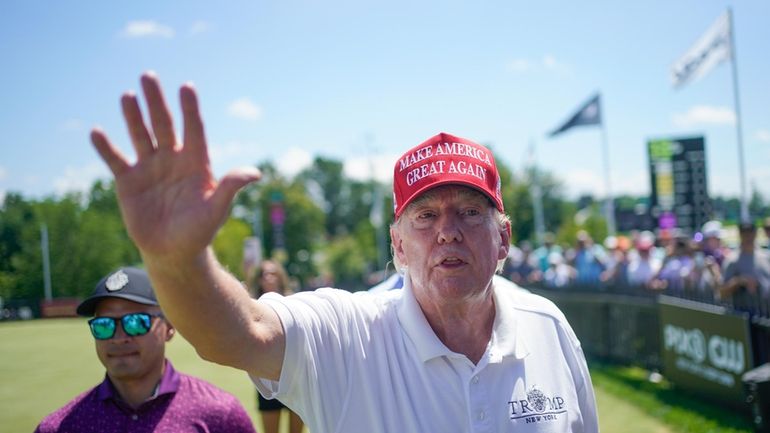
x,y
711,49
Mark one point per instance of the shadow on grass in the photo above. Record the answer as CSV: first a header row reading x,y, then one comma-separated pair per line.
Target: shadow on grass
x,y
681,410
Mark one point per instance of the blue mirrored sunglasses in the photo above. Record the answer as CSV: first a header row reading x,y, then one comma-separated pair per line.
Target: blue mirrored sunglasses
x,y
134,324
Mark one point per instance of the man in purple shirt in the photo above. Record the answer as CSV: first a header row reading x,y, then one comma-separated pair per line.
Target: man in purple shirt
x,y
141,391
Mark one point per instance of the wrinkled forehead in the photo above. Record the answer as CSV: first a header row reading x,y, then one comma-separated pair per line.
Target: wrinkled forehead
x,y
460,192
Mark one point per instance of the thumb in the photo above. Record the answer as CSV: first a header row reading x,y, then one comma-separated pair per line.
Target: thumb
x,y
232,183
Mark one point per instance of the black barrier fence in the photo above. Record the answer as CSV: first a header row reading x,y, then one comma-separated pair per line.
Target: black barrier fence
x,y
622,324
698,343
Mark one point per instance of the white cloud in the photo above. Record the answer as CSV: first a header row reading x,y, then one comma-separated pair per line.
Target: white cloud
x,y
80,178
704,115
243,108
3,173
361,168
549,62
234,153
71,125
762,135
627,182
199,27
294,161
583,181
146,29
519,65
546,63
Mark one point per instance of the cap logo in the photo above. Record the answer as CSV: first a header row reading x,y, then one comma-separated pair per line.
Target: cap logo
x,y
439,166
116,281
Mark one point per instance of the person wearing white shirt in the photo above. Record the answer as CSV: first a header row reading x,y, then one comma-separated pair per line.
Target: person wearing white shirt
x,y
451,352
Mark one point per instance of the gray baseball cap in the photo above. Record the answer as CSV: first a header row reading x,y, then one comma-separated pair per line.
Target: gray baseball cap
x,y
128,283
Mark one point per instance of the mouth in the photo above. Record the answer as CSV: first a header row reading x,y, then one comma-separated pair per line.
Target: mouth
x,y
122,355
451,262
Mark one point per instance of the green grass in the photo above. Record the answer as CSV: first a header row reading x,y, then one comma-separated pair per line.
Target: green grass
x,y
678,410
45,363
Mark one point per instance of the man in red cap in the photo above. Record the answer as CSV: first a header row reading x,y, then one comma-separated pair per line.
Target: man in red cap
x,y
451,352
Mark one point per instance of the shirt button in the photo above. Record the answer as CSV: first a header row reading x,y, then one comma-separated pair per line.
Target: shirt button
x,y
475,379
481,415
134,417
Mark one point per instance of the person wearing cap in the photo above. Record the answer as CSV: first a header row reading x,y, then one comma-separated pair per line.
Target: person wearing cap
x,y
712,242
449,352
746,272
643,265
141,391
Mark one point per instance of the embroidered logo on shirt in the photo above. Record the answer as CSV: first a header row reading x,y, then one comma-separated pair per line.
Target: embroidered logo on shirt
x,y
537,407
116,281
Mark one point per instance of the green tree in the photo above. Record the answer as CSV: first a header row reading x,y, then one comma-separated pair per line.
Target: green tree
x,y
228,245
18,225
303,225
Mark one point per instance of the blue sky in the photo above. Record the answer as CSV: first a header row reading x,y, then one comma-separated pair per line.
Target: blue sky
x,y
361,80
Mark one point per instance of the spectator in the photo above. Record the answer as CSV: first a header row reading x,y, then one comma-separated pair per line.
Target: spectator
x,y
522,268
271,277
543,253
559,273
588,260
618,261
676,273
643,266
141,391
712,242
747,272
707,271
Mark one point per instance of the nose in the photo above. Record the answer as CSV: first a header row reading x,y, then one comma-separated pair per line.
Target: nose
x,y
449,228
120,333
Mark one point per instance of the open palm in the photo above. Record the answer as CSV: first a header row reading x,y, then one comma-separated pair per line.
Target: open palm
x,y
171,203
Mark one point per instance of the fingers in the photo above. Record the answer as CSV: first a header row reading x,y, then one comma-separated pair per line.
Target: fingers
x,y
109,153
160,115
194,135
140,136
231,184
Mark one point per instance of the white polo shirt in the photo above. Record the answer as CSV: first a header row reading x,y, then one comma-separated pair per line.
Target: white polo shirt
x,y
357,362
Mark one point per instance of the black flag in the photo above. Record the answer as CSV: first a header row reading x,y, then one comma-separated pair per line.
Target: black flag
x,y
589,114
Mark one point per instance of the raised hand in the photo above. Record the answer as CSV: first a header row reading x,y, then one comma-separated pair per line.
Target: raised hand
x,y
171,203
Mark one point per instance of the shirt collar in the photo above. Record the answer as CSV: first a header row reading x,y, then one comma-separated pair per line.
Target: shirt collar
x,y
169,383
506,332
416,326
505,338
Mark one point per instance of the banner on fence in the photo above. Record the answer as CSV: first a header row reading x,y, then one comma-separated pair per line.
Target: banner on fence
x,y
705,348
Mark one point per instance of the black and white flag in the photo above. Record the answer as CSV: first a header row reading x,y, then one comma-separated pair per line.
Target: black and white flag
x,y
711,49
588,114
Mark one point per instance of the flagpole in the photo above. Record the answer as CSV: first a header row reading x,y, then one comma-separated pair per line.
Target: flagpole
x,y
609,205
537,196
46,262
738,128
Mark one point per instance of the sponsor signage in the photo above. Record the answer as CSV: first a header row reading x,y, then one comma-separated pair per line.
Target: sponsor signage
x,y
679,191
705,348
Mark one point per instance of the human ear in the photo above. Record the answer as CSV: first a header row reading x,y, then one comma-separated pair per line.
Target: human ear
x,y
398,247
505,241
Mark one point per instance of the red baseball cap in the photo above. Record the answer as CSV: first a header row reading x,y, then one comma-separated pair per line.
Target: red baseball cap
x,y
443,160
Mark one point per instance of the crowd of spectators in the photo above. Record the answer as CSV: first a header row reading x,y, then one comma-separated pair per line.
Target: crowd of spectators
x,y
702,265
